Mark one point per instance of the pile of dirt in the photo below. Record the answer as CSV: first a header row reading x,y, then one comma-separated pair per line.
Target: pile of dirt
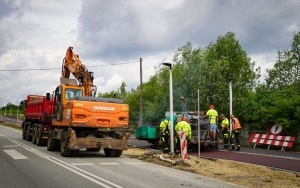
x,y
230,171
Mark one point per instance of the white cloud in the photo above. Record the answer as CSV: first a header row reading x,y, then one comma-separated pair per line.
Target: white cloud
x,y
36,34
264,61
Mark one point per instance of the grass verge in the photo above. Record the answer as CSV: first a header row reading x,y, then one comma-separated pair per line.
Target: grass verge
x,y
11,125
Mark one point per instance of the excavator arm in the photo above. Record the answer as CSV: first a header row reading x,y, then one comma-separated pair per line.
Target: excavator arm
x,y
72,64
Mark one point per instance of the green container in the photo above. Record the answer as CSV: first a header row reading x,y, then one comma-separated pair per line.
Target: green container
x,y
146,132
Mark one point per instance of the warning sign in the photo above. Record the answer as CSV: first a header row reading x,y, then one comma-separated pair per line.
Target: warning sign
x,y
276,129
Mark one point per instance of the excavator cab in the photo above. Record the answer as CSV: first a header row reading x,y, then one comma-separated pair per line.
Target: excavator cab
x,y
62,97
71,93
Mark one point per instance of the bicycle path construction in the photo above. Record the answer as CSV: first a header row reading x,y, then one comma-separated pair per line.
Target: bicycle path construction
x,y
284,160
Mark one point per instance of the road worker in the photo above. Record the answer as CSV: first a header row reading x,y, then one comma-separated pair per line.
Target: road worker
x,y
224,130
165,133
235,133
212,115
184,126
177,131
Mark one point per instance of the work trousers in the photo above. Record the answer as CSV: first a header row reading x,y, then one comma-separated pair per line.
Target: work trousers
x,y
225,137
235,136
165,141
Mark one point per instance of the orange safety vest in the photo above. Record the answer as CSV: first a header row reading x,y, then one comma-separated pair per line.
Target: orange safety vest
x,y
235,124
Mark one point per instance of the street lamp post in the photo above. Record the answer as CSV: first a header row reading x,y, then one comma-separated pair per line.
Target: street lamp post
x,y
171,109
230,104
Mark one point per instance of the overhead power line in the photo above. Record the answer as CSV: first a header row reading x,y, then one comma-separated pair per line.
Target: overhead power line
x,y
8,70
41,69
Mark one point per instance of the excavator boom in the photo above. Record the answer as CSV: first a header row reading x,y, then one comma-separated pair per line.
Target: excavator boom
x,y
72,64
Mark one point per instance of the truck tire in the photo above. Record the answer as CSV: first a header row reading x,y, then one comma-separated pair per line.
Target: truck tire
x,y
52,143
112,152
33,140
38,133
24,132
28,136
64,142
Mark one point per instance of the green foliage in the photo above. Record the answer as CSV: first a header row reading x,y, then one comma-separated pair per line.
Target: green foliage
x,y
278,101
287,68
206,69
11,110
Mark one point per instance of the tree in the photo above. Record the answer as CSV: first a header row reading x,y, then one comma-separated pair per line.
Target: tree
x,y
278,100
226,59
287,67
208,69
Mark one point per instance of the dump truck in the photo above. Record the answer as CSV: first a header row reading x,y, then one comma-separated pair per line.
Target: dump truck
x,y
72,118
37,119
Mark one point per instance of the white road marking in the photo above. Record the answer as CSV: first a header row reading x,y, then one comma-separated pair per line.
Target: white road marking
x,y
2,134
84,173
108,163
11,146
15,155
135,163
82,164
96,179
39,153
20,144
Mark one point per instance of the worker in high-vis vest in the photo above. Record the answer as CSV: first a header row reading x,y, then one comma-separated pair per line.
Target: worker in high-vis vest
x,y
184,126
235,133
164,133
212,115
224,130
177,137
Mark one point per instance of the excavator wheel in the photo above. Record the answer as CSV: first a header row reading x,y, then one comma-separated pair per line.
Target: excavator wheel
x,y
52,143
118,153
109,152
93,149
112,152
64,142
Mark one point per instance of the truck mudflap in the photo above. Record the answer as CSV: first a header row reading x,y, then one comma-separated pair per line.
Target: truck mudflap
x,y
93,142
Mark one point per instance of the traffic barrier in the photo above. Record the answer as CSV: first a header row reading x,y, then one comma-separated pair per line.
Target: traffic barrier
x,y
183,146
274,140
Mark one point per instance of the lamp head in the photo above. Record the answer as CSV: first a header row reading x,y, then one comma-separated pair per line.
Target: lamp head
x,y
168,64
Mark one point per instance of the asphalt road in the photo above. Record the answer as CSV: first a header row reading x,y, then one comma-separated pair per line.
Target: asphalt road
x,y
26,165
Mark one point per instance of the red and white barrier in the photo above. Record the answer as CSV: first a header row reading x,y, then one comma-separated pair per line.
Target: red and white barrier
x,y
183,146
276,140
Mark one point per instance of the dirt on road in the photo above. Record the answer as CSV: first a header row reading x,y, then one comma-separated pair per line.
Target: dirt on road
x,y
239,173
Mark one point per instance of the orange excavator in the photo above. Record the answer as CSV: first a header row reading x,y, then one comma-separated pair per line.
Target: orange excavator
x,y
80,119
76,119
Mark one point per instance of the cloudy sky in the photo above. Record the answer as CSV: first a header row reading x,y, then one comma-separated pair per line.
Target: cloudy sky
x,y
111,36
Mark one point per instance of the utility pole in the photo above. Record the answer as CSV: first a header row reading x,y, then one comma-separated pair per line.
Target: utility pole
x,y
141,92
